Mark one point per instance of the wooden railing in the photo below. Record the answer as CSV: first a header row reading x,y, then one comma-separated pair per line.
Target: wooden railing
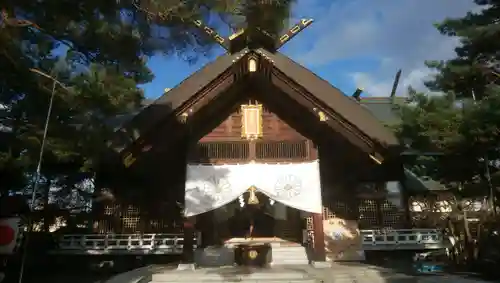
x,y
402,239
171,244
99,244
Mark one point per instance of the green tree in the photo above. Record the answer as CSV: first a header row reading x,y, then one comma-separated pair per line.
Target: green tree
x,y
434,124
469,74
464,123
97,51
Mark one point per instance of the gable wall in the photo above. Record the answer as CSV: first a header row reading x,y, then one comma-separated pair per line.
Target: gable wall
x,y
280,143
274,129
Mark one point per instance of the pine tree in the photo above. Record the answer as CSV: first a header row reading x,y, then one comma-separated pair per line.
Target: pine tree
x,y
471,73
464,123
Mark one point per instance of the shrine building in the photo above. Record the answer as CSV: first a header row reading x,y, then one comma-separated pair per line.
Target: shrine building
x,y
254,149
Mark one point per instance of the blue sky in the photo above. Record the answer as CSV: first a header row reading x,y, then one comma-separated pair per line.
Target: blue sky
x,y
352,43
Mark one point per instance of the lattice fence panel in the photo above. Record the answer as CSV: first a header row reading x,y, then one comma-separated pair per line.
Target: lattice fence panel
x,y
392,216
368,216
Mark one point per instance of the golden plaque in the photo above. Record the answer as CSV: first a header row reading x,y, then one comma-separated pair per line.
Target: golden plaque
x,y
251,121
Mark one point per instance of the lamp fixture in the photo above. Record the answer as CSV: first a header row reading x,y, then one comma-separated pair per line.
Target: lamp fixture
x,y
378,161
252,65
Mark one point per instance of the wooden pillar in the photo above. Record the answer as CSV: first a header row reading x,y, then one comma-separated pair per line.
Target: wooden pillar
x,y
407,212
319,254
406,198
188,246
319,237
189,230
204,225
252,150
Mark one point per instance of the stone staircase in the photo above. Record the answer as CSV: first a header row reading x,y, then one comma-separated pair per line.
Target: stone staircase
x,y
289,255
233,274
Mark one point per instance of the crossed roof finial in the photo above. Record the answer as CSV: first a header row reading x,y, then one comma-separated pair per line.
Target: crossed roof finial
x,y
253,38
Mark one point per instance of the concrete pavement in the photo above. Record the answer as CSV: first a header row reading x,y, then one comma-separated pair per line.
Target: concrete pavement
x,y
338,273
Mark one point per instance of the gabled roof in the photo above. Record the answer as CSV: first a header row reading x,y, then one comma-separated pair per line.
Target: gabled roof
x,y
180,94
216,77
348,110
416,184
384,108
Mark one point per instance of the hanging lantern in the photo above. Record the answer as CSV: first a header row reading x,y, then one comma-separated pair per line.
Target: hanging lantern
x,y
252,199
251,121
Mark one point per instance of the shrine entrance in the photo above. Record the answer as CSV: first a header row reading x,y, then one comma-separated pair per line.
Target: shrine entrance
x,y
254,218
240,202
259,218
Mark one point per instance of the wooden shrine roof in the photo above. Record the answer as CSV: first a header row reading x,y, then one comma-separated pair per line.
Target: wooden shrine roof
x,y
344,106
384,108
350,113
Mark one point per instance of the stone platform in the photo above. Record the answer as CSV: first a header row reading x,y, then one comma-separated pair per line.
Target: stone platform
x,y
237,274
356,273
282,252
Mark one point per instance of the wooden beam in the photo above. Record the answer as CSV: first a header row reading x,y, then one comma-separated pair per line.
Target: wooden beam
x,y
293,31
336,123
166,139
213,34
289,111
173,124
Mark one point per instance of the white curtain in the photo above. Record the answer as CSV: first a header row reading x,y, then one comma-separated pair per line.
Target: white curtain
x,y
210,186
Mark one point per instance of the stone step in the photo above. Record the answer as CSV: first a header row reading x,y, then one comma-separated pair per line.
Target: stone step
x,y
286,254
244,281
290,262
286,251
193,276
300,248
290,253
289,256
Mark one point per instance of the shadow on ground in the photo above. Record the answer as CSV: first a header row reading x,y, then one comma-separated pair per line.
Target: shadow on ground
x,y
395,267
83,269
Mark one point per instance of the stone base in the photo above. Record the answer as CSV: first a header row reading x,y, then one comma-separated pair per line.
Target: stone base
x,y
321,264
262,255
186,266
214,257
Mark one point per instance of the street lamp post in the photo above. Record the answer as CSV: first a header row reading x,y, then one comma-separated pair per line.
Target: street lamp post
x,y
37,175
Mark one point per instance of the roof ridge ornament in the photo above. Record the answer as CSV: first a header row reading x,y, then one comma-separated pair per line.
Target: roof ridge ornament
x,y
293,31
212,33
259,38
253,38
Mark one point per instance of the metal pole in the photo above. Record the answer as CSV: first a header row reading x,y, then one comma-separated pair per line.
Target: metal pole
x,y
36,180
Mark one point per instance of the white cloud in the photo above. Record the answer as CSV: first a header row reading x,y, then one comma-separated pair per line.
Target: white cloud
x,y
399,33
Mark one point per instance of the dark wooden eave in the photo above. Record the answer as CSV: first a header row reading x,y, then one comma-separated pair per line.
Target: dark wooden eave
x,y
345,115
345,110
207,79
